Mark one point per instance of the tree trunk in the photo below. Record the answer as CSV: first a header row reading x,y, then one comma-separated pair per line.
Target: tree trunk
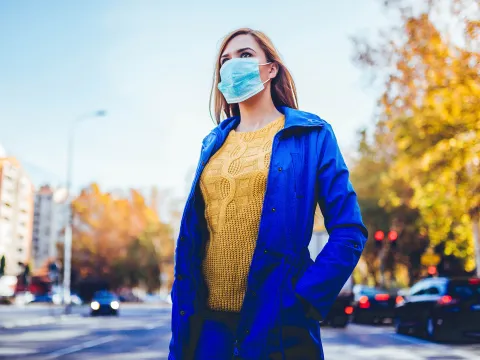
x,y
476,241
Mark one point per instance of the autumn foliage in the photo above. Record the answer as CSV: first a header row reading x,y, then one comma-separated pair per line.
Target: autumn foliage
x,y
120,239
420,166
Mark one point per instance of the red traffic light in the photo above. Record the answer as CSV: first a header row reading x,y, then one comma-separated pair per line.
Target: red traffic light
x,y
392,235
379,235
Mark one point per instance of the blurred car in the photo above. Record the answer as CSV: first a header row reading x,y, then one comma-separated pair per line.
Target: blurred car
x,y
441,309
42,298
104,303
342,309
23,298
57,296
57,299
373,305
8,284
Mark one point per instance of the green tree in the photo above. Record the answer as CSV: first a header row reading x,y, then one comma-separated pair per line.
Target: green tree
x,y
372,164
2,265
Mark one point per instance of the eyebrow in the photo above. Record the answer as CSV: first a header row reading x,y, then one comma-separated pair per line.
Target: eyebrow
x,y
239,51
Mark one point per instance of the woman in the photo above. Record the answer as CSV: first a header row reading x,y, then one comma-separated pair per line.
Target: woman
x,y
245,286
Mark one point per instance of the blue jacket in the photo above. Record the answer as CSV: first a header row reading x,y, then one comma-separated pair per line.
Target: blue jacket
x,y
306,167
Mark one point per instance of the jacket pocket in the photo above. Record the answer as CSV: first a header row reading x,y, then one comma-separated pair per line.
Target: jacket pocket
x,y
292,308
294,338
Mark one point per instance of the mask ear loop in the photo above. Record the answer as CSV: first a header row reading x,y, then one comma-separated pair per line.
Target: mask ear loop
x,y
271,62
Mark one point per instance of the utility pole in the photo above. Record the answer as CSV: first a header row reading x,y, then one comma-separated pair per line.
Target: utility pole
x,y
476,242
67,261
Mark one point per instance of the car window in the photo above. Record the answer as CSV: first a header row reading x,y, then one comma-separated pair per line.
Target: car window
x,y
369,291
432,290
464,291
418,289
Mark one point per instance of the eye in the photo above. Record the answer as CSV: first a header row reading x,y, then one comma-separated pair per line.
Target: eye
x,y
245,54
223,61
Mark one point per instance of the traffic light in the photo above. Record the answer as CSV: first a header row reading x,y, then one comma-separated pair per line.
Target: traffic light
x,y
379,236
432,270
392,237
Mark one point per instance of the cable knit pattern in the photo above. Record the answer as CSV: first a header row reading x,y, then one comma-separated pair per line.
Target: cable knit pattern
x,y
233,187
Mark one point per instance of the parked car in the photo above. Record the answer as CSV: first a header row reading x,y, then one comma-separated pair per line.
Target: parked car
x,y
42,298
441,309
373,305
104,303
57,299
8,284
23,298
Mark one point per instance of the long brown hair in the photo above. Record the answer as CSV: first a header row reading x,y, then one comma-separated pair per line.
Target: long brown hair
x,y
283,88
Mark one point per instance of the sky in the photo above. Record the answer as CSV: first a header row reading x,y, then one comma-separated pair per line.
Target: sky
x,y
149,65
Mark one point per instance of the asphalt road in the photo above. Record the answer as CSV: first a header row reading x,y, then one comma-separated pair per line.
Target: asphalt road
x,y
143,332
11,315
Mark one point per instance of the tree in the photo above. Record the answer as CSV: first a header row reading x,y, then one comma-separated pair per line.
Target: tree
x,y
430,105
371,166
2,265
119,239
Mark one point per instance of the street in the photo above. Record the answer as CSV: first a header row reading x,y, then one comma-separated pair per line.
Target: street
x,y
143,332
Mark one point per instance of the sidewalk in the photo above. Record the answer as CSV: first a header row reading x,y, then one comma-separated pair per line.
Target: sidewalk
x,y
12,316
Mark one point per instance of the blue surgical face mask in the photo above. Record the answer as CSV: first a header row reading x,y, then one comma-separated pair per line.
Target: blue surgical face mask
x,y
240,79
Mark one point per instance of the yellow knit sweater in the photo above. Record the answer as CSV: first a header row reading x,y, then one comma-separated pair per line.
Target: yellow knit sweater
x,y
233,187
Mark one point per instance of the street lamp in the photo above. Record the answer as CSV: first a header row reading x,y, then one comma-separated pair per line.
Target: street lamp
x,y
67,266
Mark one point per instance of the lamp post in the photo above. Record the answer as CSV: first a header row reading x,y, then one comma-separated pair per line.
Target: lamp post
x,y
67,260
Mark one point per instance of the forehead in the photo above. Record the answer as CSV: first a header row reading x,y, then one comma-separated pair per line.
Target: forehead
x,y
241,42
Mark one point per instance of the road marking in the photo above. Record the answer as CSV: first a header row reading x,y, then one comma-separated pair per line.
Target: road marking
x,y
413,340
152,326
80,347
44,320
431,345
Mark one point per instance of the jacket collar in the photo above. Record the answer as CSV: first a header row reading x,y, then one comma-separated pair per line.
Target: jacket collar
x,y
293,118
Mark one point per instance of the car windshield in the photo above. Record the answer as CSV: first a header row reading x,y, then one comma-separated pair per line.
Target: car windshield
x,y
372,291
104,296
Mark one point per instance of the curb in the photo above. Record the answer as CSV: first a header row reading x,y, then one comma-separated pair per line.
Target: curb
x,y
39,321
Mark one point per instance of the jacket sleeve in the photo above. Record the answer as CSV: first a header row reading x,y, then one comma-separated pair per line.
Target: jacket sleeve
x,y
321,283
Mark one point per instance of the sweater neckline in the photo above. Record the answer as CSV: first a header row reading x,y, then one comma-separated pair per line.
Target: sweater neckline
x,y
266,128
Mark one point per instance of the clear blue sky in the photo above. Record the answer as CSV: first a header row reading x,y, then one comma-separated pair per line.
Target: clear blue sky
x,y
149,64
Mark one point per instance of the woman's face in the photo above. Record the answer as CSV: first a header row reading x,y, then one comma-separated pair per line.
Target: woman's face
x,y
245,46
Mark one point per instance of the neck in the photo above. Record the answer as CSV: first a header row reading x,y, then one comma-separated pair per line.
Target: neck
x,y
257,111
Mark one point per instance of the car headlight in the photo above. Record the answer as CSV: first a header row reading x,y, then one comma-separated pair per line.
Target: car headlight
x,y
114,305
95,305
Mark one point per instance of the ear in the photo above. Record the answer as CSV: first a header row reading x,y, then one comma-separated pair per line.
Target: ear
x,y
273,70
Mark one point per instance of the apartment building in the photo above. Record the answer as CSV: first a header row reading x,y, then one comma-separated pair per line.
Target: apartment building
x,y
16,214
50,216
